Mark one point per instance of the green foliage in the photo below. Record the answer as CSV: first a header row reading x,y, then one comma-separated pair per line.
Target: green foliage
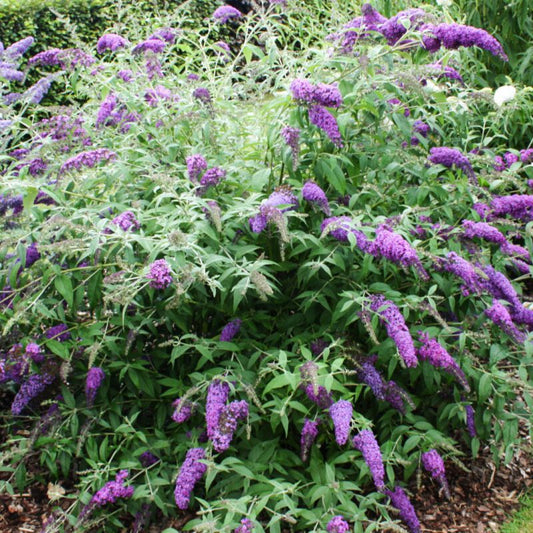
x,y
293,284
522,520
512,24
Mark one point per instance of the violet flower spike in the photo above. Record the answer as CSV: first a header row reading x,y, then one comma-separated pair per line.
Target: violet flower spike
x,y
341,414
191,471
95,378
307,438
400,500
366,443
160,274
338,525
434,464
315,195
217,396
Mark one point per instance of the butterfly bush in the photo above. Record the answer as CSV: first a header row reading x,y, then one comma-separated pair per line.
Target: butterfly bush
x,y
330,247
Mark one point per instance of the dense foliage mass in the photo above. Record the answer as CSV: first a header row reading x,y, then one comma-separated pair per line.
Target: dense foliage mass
x,y
259,286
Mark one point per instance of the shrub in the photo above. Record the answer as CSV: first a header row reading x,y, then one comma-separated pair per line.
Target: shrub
x,y
271,289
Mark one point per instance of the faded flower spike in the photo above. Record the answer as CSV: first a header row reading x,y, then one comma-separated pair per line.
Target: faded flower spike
x,y
247,526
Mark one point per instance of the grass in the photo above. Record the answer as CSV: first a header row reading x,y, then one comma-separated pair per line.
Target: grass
x,y
522,520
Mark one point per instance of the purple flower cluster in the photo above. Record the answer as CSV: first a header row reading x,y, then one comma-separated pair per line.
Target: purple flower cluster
x,y
110,41
148,459
29,390
465,270
191,471
159,94
226,13
396,328
59,333
32,255
453,36
227,424
307,438
320,117
483,230
337,227
95,378
315,195
422,129
499,314
87,159
341,414
450,157
155,46
202,94
112,113
470,421
517,206
292,137
160,274
434,464
34,351
445,72
271,209
387,391
437,356
395,248
196,165
401,501
112,491
38,91
212,176
217,396
126,221
338,525
182,410
366,443
230,330
321,94
165,34
394,28
318,395
247,526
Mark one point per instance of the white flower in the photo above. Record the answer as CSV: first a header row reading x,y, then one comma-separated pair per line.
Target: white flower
x,y
444,3
503,94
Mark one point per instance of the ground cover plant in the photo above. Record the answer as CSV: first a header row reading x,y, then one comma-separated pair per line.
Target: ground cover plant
x,y
260,285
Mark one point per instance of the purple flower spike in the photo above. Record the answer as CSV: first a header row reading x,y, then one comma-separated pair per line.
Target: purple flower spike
x,y
341,414
217,396
367,444
34,351
87,159
212,177
18,49
319,395
292,137
434,464
110,41
227,424
148,459
247,526
470,421
314,194
153,45
319,116
400,500
95,378
160,275
309,434
338,525
438,357
450,157
196,165
126,221
191,471
182,410
230,330
453,36
112,491
396,328
226,13
518,206
59,333
499,314
337,227
29,390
